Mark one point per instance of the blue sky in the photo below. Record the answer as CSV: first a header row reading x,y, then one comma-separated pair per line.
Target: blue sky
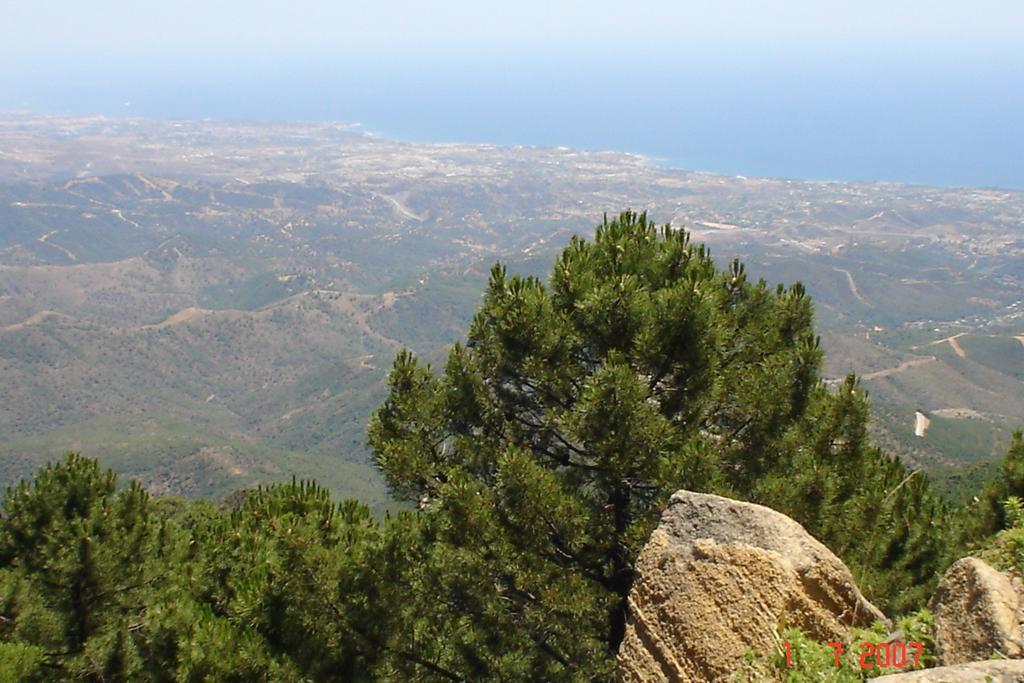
x,y
34,33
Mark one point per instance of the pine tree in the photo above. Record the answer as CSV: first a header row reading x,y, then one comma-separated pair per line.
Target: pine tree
x,y
986,516
539,461
290,573
546,449
72,551
884,521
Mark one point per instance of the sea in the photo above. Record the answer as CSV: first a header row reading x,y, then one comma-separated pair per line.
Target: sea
x,y
956,121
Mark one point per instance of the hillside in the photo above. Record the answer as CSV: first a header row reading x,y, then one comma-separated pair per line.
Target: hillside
x,y
212,305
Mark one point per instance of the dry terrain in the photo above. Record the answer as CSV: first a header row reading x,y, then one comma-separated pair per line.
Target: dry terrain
x,y
209,305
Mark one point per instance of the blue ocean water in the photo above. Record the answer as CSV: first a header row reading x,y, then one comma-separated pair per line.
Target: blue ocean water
x,y
953,124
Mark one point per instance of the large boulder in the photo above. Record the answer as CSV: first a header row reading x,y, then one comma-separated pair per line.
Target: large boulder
x,y
995,671
977,614
718,578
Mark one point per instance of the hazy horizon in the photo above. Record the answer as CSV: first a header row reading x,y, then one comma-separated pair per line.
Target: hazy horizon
x,y
926,93
278,28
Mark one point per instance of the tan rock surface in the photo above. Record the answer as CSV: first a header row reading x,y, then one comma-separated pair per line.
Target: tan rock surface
x,y
996,671
976,614
719,577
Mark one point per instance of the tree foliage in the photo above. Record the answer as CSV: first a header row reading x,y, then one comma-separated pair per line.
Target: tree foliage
x,y
67,587
986,515
539,459
546,449
98,583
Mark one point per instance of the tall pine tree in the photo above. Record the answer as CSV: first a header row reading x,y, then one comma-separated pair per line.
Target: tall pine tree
x,y
545,451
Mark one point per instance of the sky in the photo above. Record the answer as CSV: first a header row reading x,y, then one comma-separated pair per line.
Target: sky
x,y
913,90
34,35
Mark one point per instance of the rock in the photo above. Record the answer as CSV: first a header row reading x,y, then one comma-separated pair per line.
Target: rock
x,y
976,614
995,671
717,578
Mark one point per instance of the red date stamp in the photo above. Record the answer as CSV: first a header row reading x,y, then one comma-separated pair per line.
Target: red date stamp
x,y
882,655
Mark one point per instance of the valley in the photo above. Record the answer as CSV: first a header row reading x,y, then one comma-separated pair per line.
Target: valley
x,y
211,305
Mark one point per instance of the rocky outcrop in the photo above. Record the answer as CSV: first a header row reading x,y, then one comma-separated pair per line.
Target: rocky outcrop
x,y
717,578
996,671
977,614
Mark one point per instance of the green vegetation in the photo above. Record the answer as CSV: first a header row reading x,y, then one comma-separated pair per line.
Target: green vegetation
x,y
987,515
806,660
952,437
539,460
320,261
1006,549
101,584
968,440
252,293
1000,353
549,445
182,458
